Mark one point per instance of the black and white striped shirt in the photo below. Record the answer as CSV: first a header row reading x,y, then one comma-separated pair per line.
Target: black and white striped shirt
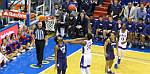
x,y
39,34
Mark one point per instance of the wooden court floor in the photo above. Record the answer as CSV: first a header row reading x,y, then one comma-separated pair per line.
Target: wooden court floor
x,y
132,63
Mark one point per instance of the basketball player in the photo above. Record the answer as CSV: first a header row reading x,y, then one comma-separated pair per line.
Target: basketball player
x,y
122,44
109,46
86,52
60,54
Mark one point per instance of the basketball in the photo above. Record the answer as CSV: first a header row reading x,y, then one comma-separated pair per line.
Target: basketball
x,y
71,7
41,18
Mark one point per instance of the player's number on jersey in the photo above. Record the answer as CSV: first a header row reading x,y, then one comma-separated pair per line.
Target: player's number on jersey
x,y
89,46
122,39
63,49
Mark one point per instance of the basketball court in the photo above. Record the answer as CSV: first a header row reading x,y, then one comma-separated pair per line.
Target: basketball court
x,y
134,62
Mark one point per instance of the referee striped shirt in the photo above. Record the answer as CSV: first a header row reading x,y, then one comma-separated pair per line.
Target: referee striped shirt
x,y
39,34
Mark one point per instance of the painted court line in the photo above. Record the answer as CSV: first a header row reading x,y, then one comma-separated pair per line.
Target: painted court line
x,y
127,50
54,64
129,59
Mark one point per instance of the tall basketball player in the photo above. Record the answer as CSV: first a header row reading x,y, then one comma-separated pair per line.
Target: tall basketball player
x,y
86,52
109,46
60,54
122,44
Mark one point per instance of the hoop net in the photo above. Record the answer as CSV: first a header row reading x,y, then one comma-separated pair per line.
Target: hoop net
x,y
50,23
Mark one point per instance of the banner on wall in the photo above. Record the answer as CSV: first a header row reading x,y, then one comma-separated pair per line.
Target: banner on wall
x,y
13,14
13,28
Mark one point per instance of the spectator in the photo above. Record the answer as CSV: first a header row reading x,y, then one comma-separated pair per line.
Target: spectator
x,y
25,38
7,49
110,26
99,2
147,31
119,24
141,12
116,10
91,8
63,22
147,20
81,5
109,10
15,43
140,32
65,5
129,12
83,21
56,9
130,25
99,28
71,26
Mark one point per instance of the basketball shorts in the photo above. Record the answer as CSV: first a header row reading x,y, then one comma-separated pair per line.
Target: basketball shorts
x,y
85,60
62,64
110,56
122,46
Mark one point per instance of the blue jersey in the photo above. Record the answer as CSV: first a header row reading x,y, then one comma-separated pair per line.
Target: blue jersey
x,y
110,50
130,27
100,25
110,25
147,30
110,47
28,37
62,51
94,25
140,28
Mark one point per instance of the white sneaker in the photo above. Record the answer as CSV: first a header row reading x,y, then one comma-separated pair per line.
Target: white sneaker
x,y
142,47
130,45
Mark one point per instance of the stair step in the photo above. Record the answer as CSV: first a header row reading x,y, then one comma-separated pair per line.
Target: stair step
x,y
98,15
100,12
98,8
95,16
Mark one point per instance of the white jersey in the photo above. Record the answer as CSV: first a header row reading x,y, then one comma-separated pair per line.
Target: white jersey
x,y
122,38
86,54
87,48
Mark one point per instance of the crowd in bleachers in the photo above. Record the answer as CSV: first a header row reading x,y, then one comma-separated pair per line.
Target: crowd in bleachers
x,y
14,45
134,15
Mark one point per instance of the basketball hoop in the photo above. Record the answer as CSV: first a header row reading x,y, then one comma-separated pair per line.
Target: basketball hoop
x,y
50,23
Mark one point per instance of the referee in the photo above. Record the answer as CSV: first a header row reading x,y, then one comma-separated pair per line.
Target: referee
x,y
39,34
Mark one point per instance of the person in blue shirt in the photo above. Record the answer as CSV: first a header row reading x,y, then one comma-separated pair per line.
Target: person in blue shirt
x,y
116,10
130,25
100,28
147,19
109,26
147,32
119,24
140,31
